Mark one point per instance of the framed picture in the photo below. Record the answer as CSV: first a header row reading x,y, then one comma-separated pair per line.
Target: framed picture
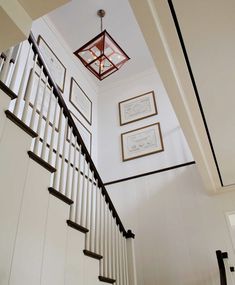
x,y
80,101
137,108
45,107
141,142
84,132
55,66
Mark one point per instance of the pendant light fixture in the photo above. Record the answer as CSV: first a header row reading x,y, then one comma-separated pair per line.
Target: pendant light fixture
x,y
102,55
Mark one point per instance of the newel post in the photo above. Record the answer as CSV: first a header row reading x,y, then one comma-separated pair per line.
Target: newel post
x,y
131,258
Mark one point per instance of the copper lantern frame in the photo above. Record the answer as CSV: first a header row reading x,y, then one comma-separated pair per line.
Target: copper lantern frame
x,y
102,55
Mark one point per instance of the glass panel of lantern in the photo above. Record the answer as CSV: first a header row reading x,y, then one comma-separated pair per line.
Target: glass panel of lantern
x,y
102,55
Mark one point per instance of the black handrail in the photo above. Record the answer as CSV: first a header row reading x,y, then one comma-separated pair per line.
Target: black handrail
x,y
220,258
71,123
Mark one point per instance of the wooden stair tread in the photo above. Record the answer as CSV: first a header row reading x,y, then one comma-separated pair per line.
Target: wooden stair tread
x,y
92,254
106,279
20,124
42,162
60,196
77,227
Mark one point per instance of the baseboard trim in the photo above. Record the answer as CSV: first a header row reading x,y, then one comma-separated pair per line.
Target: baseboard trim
x,y
149,173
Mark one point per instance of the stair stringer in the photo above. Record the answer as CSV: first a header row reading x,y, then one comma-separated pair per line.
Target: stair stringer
x,y
37,246
28,253
14,163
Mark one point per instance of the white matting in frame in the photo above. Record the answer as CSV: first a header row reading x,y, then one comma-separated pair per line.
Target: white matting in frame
x,y
137,108
141,142
84,132
80,101
55,66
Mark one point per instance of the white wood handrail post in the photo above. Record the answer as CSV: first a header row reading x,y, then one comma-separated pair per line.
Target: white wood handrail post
x,y
6,66
131,258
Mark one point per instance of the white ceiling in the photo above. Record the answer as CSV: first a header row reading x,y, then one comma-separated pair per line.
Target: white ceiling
x,y
78,23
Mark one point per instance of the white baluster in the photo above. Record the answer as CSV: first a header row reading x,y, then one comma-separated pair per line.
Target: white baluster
x,y
22,83
16,69
35,104
2,60
39,128
105,242
111,246
126,261
131,265
68,176
89,200
28,91
97,219
7,65
108,243
57,160
75,178
101,237
79,203
118,270
123,261
86,176
62,170
46,129
120,258
51,147
90,240
114,248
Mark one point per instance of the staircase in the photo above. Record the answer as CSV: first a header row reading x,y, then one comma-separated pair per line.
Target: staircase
x,y
58,223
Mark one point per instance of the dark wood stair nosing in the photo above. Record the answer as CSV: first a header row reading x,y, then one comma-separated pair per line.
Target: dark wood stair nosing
x,y
77,226
20,124
42,162
106,279
7,90
60,196
92,254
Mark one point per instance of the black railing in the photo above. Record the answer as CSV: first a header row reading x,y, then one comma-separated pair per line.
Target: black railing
x,y
220,259
76,133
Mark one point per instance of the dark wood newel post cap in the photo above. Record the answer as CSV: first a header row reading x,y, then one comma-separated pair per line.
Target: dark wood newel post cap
x,y
129,234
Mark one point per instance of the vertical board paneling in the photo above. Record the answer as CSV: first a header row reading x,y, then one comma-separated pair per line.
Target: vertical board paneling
x,y
53,267
74,272
27,258
13,170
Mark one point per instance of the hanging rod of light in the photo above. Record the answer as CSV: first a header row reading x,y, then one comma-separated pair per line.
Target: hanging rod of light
x,y
102,55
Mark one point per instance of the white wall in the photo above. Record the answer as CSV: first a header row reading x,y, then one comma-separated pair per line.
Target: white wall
x,y
110,162
46,29
178,226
